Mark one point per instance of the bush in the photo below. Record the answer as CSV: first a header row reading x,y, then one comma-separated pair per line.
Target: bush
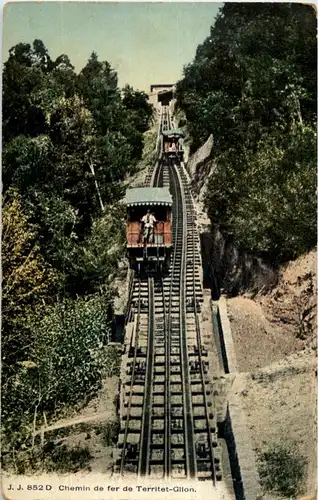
x,y
64,459
149,154
282,470
68,349
102,250
66,365
108,432
112,357
267,200
53,457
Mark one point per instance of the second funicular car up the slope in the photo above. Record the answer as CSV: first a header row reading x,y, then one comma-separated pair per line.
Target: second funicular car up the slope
x,y
172,147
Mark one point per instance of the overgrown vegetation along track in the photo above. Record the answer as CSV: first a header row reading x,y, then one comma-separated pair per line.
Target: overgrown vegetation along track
x,y
168,428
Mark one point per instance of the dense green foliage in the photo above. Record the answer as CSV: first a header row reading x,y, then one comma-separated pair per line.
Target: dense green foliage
x,y
54,456
69,141
65,359
252,84
282,470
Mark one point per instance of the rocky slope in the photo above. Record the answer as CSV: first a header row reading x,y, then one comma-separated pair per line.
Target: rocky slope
x,y
280,322
292,303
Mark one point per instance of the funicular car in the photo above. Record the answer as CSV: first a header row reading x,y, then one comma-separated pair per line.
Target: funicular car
x,y
149,228
172,147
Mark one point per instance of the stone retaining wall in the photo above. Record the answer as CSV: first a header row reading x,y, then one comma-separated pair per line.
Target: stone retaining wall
x,y
242,456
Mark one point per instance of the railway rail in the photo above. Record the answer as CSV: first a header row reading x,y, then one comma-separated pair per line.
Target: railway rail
x,y
168,427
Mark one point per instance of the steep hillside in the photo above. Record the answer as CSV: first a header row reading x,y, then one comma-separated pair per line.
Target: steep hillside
x,y
273,321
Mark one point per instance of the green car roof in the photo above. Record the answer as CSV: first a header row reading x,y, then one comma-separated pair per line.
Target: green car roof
x,y
148,196
176,132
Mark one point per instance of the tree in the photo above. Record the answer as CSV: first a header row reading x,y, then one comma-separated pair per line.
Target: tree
x,y
25,75
40,56
69,142
27,163
27,279
251,85
139,110
98,86
65,76
254,56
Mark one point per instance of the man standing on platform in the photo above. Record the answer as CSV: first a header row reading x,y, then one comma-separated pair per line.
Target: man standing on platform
x,y
148,222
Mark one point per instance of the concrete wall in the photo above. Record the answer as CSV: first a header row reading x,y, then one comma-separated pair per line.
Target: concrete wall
x,y
237,435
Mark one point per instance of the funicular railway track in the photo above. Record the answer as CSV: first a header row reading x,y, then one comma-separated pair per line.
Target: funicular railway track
x,y
168,427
